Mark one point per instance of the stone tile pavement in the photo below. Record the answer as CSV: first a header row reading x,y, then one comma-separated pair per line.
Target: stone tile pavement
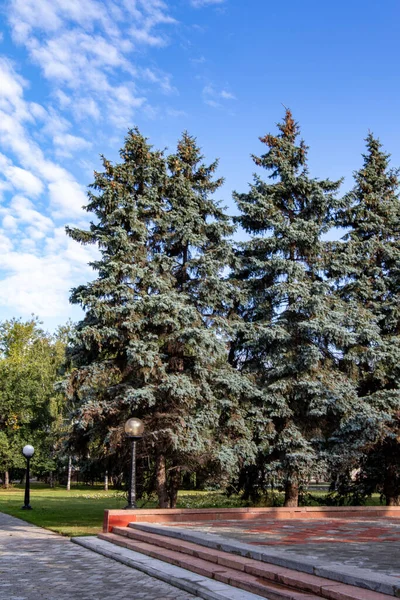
x,y
357,542
36,564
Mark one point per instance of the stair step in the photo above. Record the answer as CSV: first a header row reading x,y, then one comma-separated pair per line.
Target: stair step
x,y
238,579
299,581
309,583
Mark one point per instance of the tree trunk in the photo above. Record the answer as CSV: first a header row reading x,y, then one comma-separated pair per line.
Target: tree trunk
x,y
69,473
6,479
291,494
51,479
174,483
391,489
161,481
106,481
392,500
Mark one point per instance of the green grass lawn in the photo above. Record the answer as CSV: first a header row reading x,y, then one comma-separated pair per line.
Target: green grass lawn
x,y
77,512
80,511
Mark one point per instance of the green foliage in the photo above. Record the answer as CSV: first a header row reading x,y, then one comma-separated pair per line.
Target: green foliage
x,y
153,341
253,368
365,266
30,409
291,323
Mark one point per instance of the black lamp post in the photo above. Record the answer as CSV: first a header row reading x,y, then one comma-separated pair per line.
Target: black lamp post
x,y
134,430
28,452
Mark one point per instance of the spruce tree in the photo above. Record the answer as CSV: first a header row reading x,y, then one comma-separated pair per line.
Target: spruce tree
x,y
291,323
366,267
153,343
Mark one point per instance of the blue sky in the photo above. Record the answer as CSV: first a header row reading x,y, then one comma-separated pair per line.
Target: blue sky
x,y
76,74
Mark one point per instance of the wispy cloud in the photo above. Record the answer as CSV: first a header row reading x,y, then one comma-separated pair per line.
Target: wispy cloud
x,y
38,263
201,3
173,112
214,97
198,61
82,47
96,76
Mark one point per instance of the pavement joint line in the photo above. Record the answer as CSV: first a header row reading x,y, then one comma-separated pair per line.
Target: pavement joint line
x,y
198,585
359,577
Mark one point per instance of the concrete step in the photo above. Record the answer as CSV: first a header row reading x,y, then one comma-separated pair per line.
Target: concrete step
x,y
234,577
301,581
336,573
268,580
199,586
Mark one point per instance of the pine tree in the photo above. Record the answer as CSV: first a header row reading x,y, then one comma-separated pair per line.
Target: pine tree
x,y
366,266
153,340
291,324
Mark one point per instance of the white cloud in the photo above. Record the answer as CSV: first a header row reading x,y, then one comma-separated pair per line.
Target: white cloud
x,y
67,198
66,195
41,284
24,212
145,37
212,97
63,99
20,179
39,280
198,61
6,244
227,95
201,3
9,222
163,79
86,108
81,46
92,58
67,144
24,180
172,112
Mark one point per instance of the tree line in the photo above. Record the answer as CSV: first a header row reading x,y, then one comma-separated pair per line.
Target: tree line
x,y
256,365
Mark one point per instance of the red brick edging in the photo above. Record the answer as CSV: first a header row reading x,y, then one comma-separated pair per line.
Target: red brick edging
x,y
121,518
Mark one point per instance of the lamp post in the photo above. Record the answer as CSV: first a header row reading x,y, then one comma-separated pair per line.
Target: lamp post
x,y
134,430
28,452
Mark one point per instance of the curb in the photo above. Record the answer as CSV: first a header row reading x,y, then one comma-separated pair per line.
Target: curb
x,y
198,585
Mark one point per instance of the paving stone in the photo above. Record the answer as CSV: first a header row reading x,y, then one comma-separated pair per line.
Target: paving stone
x,y
204,587
39,564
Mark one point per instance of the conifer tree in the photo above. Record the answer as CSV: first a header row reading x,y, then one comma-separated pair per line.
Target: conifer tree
x,y
366,267
125,200
152,343
290,322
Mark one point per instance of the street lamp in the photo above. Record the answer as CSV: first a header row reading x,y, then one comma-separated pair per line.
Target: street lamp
x,y
28,452
134,430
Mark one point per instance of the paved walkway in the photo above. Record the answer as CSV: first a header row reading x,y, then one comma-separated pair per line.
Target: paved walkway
x,y
363,543
36,564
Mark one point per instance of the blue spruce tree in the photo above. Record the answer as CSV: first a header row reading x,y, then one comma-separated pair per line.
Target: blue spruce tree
x,y
366,268
153,342
291,324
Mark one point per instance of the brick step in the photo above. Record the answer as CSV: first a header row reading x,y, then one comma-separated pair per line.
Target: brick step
x,y
264,579
238,579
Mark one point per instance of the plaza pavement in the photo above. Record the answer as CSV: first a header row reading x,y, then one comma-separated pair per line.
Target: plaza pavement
x,y
36,564
361,543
